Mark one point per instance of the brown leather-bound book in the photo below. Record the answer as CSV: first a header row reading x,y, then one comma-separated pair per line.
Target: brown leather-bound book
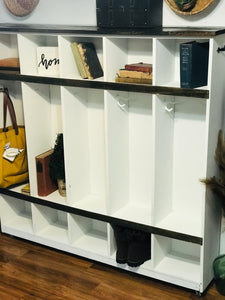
x,y
140,67
133,80
87,61
134,74
45,185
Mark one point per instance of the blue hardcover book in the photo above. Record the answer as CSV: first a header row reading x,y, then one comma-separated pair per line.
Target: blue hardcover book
x,y
194,57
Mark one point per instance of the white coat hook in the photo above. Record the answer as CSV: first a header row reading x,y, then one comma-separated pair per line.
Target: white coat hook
x,y
122,106
169,107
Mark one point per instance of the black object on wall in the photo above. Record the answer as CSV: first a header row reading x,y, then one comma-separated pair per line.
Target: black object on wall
x,y
129,13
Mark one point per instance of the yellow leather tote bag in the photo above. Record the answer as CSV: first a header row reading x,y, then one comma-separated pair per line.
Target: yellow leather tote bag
x,y
13,156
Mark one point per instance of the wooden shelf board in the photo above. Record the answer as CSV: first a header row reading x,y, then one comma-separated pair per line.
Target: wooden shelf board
x,y
106,218
137,88
93,30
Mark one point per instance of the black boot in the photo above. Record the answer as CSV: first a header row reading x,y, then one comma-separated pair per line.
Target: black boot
x,y
139,249
122,242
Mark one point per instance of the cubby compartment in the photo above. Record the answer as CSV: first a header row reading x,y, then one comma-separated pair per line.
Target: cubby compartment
x,y
88,234
9,46
180,163
43,121
16,215
176,258
121,51
28,44
84,141
15,94
50,224
68,66
129,123
167,61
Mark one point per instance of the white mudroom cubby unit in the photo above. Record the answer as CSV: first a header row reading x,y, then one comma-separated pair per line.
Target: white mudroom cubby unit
x,y
134,153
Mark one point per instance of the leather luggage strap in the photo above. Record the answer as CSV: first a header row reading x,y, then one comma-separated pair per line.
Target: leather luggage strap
x,y
7,103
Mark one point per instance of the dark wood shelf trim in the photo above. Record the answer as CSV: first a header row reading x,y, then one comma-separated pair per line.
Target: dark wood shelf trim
x,y
93,84
105,218
93,30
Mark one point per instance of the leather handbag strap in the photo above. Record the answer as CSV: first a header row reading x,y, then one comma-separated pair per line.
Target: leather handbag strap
x,y
8,104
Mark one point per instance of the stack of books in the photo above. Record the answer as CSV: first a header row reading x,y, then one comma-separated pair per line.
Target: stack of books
x,y
135,73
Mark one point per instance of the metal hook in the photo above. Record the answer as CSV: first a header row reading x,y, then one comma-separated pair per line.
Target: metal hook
x,y
169,107
122,106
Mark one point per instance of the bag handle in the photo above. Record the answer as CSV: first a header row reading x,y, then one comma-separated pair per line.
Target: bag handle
x,y
7,103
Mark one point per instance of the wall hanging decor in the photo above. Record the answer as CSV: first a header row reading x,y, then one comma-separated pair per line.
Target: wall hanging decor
x,y
21,8
188,7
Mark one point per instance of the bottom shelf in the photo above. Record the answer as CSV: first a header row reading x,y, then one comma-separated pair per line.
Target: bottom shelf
x,y
16,214
177,258
88,234
174,261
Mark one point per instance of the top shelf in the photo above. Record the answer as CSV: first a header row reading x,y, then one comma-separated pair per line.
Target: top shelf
x,y
92,30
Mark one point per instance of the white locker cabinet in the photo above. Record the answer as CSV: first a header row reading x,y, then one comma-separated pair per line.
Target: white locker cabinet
x,y
134,153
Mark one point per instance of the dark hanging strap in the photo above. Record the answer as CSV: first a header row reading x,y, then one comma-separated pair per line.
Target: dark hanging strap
x,y
8,104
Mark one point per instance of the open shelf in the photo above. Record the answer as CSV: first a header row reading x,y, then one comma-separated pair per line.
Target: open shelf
x,y
167,57
88,234
29,44
68,67
16,214
9,46
122,51
177,258
50,224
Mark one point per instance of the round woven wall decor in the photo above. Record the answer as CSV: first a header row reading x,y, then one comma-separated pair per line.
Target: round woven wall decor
x,y
198,7
21,8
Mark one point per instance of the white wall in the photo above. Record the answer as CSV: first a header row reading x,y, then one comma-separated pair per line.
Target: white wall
x,y
67,12
83,12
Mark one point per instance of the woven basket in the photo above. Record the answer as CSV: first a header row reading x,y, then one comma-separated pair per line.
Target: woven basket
x,y
21,8
200,6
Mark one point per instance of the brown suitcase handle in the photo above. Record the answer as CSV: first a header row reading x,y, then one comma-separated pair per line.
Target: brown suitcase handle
x,y
7,103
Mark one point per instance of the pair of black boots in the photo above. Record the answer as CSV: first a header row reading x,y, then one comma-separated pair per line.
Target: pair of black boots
x,y
133,246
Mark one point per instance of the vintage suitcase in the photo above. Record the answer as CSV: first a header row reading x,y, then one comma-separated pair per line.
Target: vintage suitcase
x,y
129,13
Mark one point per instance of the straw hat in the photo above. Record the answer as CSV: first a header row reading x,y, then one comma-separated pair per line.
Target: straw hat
x,y
199,6
21,8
